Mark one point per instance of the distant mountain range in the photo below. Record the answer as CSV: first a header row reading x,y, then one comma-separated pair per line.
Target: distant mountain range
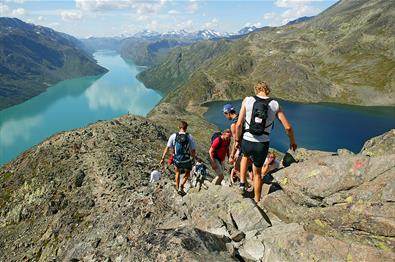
x,y
35,57
345,54
150,48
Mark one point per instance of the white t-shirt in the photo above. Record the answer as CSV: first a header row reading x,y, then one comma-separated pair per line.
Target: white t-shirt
x,y
172,141
272,111
155,176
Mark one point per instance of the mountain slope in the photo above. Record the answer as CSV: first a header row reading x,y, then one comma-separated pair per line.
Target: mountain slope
x,y
84,195
34,57
344,55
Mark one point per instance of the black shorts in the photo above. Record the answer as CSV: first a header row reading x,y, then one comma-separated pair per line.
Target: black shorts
x,y
257,150
184,165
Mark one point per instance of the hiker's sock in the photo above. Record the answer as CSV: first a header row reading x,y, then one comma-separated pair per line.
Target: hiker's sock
x,y
242,185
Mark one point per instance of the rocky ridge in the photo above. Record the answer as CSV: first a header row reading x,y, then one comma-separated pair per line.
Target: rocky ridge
x,y
84,195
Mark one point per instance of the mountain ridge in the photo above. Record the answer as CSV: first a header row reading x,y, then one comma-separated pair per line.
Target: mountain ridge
x,y
35,57
342,55
84,195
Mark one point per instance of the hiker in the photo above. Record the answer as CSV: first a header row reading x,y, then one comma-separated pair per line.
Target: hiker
x,y
183,148
235,172
219,150
272,162
257,116
199,173
235,154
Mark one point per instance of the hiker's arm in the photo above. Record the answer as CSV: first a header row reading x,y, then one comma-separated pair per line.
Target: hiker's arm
x,y
193,154
239,124
193,148
288,128
164,155
266,166
234,149
212,154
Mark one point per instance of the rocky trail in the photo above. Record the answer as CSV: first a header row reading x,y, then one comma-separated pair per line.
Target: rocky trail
x,y
84,195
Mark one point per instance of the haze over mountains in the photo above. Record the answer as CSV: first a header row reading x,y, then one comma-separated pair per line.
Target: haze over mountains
x,y
35,57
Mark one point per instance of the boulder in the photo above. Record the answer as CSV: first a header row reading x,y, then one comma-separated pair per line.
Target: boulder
x,y
380,145
290,242
346,196
220,208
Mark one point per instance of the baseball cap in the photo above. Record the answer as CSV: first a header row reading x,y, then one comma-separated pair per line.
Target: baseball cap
x,y
228,108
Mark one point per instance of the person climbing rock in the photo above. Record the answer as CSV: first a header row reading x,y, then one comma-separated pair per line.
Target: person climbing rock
x,y
256,120
219,150
235,154
183,149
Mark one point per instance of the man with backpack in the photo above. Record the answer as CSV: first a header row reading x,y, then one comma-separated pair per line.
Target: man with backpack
x,y
230,114
235,153
257,116
184,150
219,150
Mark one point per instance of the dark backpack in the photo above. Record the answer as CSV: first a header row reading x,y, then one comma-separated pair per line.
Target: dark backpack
x,y
259,115
215,135
181,147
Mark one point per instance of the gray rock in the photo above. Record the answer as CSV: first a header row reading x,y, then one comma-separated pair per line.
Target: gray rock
x,y
381,145
237,236
252,250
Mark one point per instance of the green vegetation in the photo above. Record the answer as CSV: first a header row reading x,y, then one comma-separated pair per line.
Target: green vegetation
x,y
343,55
34,57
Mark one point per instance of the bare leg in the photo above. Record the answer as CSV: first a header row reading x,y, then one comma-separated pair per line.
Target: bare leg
x,y
231,177
243,169
177,178
257,182
185,178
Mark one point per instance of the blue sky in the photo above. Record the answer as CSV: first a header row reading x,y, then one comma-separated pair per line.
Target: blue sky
x,y
84,18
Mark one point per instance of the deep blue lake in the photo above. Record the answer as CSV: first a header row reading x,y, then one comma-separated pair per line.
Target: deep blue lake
x,y
321,126
75,103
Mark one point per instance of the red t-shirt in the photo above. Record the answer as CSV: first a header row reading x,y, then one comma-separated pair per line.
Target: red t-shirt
x,y
220,148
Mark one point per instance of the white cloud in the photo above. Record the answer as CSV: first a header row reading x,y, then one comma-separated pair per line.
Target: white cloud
x,y
142,18
193,6
144,8
4,9
270,16
71,15
212,24
18,12
53,24
41,18
295,9
291,3
21,129
173,12
141,7
294,13
187,25
100,5
16,1
257,24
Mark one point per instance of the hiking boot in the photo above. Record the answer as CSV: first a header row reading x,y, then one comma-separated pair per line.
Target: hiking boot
x,y
181,192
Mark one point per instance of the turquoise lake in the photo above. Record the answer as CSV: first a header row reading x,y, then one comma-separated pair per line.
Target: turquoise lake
x,y
78,102
75,103
323,126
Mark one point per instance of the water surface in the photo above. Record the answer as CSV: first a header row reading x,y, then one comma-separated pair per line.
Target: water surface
x,y
321,126
75,103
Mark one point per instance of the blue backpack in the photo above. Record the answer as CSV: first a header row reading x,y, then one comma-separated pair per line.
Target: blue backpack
x,y
182,148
